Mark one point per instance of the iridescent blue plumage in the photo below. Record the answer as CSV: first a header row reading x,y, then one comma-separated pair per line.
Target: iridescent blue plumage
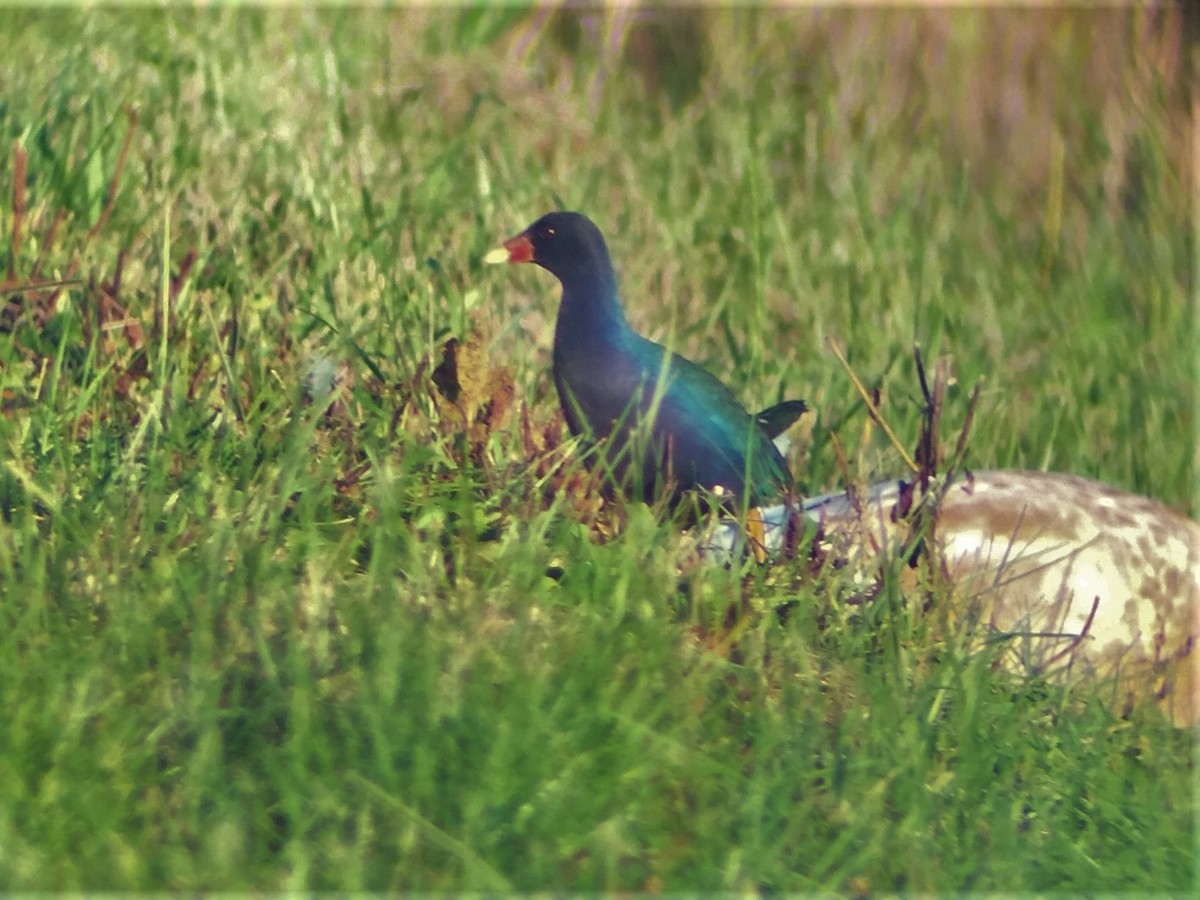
x,y
678,425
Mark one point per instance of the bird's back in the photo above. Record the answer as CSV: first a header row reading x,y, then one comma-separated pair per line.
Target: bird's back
x,y
700,436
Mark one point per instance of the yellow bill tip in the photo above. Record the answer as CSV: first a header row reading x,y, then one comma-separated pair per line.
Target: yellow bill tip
x,y
495,257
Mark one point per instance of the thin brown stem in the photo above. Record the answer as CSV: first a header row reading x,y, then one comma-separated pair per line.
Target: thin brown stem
x,y
873,408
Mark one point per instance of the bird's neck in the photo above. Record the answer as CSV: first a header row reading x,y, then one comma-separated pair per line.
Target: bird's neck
x,y
590,313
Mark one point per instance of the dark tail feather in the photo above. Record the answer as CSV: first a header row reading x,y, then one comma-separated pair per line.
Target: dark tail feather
x,y
775,420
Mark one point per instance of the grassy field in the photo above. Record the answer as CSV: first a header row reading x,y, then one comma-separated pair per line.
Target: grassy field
x,y
279,614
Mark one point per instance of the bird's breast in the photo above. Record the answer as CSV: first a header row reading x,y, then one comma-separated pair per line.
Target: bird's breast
x,y
600,385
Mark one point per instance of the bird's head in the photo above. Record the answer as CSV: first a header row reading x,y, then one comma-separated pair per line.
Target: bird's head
x,y
566,244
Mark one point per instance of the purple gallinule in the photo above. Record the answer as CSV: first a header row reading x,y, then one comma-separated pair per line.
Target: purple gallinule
x,y
660,422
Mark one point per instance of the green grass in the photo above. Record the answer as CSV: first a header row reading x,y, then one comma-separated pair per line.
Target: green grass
x,y
375,641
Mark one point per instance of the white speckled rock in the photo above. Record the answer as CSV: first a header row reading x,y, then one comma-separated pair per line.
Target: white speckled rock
x,y
1089,579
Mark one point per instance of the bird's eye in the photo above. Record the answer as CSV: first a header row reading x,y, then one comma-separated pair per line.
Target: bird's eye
x,y
546,232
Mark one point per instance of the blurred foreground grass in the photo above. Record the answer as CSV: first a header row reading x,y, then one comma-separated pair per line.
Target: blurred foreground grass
x,y
375,639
